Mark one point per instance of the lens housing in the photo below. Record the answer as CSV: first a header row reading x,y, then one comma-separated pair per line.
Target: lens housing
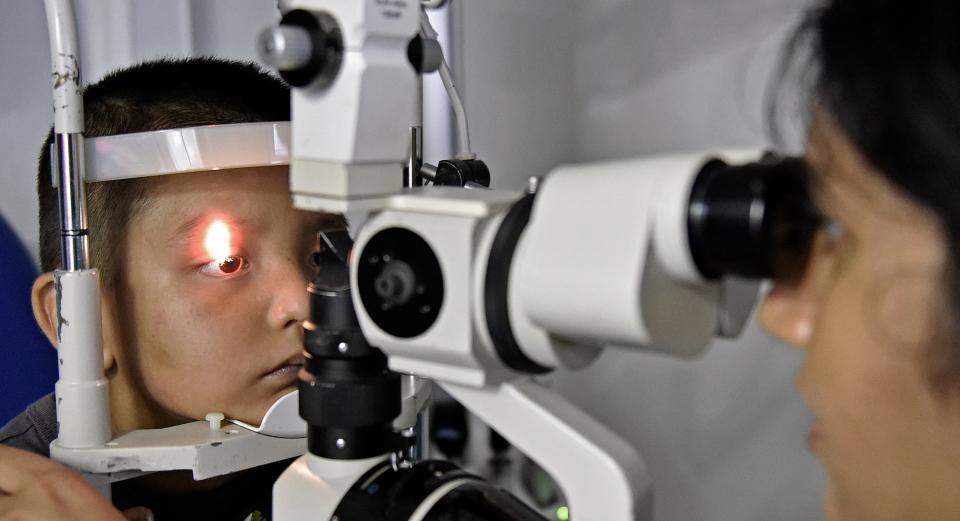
x,y
754,220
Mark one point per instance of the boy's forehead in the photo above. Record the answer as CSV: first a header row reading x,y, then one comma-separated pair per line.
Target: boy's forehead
x,y
182,205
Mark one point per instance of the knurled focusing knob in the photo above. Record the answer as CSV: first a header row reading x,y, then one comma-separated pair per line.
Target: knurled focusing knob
x,y
396,283
306,48
285,48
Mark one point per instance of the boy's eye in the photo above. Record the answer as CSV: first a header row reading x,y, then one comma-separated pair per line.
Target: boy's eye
x,y
225,267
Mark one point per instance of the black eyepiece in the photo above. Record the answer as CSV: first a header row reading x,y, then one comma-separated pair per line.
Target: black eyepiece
x,y
753,221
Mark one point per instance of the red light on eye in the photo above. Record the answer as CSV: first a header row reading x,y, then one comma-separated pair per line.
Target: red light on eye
x,y
216,241
231,265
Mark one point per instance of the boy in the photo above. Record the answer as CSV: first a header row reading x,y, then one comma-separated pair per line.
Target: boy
x,y
184,334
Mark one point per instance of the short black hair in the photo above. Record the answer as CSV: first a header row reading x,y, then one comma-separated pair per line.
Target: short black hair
x,y
154,95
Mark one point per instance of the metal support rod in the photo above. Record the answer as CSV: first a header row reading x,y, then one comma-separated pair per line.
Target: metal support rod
x,y
411,178
74,235
411,171
83,399
421,448
68,132
428,171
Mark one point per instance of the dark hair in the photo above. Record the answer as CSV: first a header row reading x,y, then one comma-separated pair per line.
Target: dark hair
x,y
889,74
156,95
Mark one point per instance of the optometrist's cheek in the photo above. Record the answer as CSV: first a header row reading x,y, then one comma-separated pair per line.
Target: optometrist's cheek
x,y
905,309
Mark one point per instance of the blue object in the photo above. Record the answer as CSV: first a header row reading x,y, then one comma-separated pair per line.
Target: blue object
x,y
28,363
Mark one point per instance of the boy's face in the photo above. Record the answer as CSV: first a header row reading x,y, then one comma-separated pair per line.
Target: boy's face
x,y
192,334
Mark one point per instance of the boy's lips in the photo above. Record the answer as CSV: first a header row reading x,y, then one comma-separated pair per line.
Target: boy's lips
x,y
288,367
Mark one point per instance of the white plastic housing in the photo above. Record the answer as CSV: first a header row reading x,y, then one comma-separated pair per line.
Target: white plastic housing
x,y
456,223
358,126
312,487
605,259
460,226
676,175
602,476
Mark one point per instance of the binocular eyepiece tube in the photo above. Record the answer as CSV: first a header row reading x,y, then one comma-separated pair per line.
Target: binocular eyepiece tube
x,y
755,220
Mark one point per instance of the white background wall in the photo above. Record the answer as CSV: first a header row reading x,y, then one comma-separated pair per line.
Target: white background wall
x,y
546,82
25,111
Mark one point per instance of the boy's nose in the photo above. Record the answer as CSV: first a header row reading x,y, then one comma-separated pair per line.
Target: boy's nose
x,y
289,305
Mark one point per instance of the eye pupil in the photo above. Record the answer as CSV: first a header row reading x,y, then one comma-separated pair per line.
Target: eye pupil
x,y
231,265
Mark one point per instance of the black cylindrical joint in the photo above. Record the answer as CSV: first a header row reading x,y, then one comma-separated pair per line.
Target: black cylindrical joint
x,y
754,220
459,172
326,54
396,494
351,398
332,308
425,54
352,443
496,289
350,405
400,282
320,344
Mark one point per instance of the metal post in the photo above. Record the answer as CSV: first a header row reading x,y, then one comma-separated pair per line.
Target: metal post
x,y
411,171
421,449
74,235
412,178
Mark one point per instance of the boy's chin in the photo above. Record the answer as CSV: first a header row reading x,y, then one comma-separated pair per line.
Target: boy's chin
x,y
256,417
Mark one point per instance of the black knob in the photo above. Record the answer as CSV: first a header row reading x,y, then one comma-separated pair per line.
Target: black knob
x,y
306,48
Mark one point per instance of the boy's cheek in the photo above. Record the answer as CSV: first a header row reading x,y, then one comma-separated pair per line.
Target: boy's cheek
x,y
199,322
199,341
192,374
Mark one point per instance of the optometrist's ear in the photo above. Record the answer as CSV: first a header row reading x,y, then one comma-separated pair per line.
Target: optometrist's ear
x,y
43,296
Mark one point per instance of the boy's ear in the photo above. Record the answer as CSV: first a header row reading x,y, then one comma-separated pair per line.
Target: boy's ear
x,y
43,296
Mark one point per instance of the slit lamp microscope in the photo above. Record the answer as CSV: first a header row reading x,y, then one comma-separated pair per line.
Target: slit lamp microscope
x,y
445,283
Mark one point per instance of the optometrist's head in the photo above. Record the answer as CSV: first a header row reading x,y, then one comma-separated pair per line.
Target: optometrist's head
x,y
876,313
203,273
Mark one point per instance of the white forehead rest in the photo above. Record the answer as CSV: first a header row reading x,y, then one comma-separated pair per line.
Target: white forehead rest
x,y
192,149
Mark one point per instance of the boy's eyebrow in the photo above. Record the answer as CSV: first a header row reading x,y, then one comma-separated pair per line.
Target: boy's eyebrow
x,y
326,221
191,227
